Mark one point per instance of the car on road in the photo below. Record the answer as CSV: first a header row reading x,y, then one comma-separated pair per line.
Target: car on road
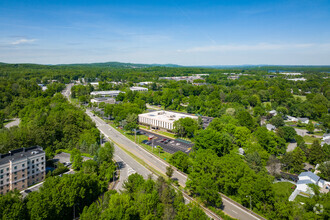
x,y
27,191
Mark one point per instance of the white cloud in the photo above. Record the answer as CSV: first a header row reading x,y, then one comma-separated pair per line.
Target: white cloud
x,y
253,47
23,41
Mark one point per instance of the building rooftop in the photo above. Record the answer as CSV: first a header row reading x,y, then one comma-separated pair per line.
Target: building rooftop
x,y
134,88
167,116
110,92
20,153
310,175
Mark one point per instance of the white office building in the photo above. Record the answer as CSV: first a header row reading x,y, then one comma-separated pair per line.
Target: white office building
x,y
112,93
163,120
138,89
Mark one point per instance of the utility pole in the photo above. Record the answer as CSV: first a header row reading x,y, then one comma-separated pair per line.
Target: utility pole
x,y
135,134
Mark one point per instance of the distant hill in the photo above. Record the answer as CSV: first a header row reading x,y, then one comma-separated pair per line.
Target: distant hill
x,y
119,65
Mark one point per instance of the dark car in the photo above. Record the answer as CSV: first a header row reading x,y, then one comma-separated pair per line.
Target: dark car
x,y
168,140
148,142
27,191
144,141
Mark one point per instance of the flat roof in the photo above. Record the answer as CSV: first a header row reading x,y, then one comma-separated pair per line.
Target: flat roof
x,y
19,154
110,92
166,116
138,88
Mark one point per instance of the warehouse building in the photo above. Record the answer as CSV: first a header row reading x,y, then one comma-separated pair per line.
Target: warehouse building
x,y
162,120
112,93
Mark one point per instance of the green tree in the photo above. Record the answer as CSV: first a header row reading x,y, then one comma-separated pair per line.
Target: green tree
x,y
185,127
105,153
245,119
310,127
169,171
76,159
131,122
277,121
180,160
316,154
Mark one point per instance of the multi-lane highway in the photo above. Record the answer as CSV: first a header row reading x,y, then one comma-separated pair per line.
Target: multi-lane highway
x,y
130,165
154,163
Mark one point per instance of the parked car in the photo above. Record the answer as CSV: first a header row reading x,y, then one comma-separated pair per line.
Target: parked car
x,y
148,142
144,141
168,140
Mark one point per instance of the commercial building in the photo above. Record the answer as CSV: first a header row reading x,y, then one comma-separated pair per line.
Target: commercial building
x,y
107,100
138,89
112,93
22,168
163,120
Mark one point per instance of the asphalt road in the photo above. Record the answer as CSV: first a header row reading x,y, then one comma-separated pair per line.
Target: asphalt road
x,y
157,164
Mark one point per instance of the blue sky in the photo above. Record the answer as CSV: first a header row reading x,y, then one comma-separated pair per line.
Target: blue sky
x,y
290,32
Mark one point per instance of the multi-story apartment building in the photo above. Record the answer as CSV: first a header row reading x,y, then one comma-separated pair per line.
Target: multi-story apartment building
x,y
22,168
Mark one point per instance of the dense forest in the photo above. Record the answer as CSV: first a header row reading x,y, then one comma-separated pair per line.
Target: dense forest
x,y
240,109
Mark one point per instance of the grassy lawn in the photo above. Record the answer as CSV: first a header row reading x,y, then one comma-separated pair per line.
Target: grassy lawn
x,y
283,189
302,199
303,98
163,155
319,133
309,139
291,123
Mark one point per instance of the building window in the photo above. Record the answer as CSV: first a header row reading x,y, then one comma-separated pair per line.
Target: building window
x,y
23,181
7,168
1,177
7,180
15,184
42,158
1,182
28,162
23,165
15,167
23,170
37,160
42,163
7,174
32,161
23,175
32,166
15,173
15,178
2,171
28,172
32,176
23,186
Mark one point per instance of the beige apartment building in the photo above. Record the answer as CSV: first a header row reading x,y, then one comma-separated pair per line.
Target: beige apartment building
x,y
22,168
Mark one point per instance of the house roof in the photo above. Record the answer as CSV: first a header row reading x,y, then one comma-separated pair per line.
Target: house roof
x,y
304,182
326,136
310,175
270,126
303,119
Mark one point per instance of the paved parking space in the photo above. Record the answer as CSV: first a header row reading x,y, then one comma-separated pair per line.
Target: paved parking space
x,y
172,146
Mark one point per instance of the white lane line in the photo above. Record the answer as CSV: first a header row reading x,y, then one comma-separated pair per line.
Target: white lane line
x,y
239,208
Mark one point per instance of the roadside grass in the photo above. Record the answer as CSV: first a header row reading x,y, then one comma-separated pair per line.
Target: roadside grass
x,y
163,155
303,98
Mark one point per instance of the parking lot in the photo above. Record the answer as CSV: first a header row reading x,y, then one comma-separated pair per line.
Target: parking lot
x,y
168,144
